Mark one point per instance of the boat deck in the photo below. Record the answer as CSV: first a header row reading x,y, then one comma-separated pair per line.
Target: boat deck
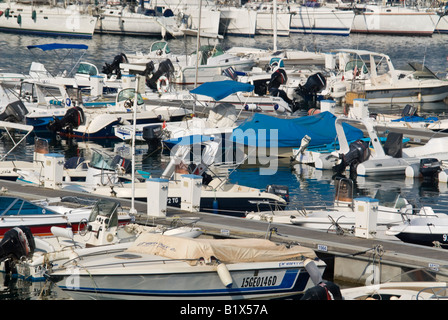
x,y
395,253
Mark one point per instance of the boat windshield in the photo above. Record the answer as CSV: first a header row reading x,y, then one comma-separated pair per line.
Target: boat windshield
x,y
390,199
128,94
101,160
86,68
11,206
107,209
160,45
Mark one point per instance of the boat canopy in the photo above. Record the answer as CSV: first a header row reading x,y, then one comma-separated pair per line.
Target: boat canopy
x,y
55,46
320,128
223,250
220,89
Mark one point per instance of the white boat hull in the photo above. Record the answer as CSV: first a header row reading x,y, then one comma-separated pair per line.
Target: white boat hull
x,y
46,20
321,21
395,20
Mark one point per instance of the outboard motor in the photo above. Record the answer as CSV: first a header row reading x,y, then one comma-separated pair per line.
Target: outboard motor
x,y
281,191
314,84
114,67
278,78
325,290
14,112
430,168
409,111
73,118
152,135
123,163
165,69
17,242
358,152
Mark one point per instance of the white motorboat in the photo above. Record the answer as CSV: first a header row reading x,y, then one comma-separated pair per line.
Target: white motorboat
x,y
348,213
399,20
321,20
427,230
224,101
43,18
392,159
374,75
101,232
128,21
417,284
211,62
408,291
216,193
52,169
97,119
40,215
167,267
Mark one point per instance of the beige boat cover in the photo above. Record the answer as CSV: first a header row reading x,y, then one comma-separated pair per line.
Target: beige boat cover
x,y
226,250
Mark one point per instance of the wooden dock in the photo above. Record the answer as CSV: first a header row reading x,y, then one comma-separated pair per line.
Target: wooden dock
x,y
349,258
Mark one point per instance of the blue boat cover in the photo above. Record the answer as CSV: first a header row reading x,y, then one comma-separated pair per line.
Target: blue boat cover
x,y
55,46
220,89
188,140
320,128
416,119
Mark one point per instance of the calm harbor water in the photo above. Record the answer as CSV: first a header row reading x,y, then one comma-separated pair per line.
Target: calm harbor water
x,y
306,185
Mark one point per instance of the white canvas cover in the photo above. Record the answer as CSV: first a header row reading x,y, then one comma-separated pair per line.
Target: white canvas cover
x,y
223,115
226,251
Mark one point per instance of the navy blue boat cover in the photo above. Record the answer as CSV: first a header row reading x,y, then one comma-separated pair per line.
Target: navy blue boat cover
x,y
320,128
55,46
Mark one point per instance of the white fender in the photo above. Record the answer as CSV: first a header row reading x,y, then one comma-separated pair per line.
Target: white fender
x,y
224,275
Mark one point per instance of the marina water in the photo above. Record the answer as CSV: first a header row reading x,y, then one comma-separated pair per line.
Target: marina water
x,y
306,185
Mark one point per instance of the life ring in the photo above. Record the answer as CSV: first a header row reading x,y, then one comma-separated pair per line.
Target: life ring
x,y
162,84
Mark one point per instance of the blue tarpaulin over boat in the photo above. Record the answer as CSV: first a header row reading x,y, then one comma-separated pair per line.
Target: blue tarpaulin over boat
x,y
320,128
220,89
55,46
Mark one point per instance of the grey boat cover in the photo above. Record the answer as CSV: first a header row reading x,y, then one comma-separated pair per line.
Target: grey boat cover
x,y
224,250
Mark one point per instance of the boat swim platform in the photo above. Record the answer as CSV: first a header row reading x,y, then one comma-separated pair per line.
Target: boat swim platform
x,y
350,259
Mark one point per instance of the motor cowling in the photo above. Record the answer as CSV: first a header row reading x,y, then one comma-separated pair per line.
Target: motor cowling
x,y
152,135
73,118
17,242
114,67
313,85
358,152
165,68
281,191
430,167
325,290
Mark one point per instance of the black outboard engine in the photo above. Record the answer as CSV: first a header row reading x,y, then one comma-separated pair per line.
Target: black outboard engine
x,y
14,112
152,135
166,68
325,290
114,67
430,168
278,78
281,191
409,111
314,84
123,163
73,118
358,152
16,243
